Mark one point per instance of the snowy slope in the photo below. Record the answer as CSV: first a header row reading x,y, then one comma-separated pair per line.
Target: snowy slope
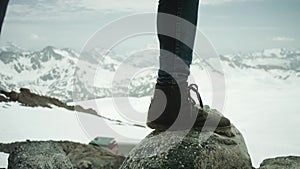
x,y
267,113
18,123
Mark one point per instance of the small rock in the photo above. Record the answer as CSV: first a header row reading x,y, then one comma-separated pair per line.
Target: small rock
x,y
94,157
3,99
290,162
83,164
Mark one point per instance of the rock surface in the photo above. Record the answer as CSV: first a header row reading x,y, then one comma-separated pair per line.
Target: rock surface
x,y
59,155
91,157
3,99
27,98
39,155
291,162
193,150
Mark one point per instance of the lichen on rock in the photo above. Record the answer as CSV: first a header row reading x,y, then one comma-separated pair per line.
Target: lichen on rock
x,y
42,155
290,162
189,149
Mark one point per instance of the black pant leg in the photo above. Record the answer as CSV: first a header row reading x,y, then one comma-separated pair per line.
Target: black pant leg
x,y
3,7
178,32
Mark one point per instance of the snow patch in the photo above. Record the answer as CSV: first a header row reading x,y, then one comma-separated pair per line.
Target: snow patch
x,y
4,160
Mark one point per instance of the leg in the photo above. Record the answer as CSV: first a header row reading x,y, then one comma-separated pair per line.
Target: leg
x,y
171,106
3,7
175,56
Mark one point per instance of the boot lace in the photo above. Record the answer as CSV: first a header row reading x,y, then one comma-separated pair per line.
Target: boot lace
x,y
194,88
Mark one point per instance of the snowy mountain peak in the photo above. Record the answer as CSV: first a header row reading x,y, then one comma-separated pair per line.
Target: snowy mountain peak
x,y
48,53
50,71
275,52
48,49
11,47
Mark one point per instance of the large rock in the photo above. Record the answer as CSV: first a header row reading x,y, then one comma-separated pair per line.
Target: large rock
x,y
39,155
291,162
59,154
192,150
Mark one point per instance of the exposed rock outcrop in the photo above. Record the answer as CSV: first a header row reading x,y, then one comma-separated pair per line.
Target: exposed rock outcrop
x,y
27,98
291,162
40,155
59,154
3,99
92,157
193,150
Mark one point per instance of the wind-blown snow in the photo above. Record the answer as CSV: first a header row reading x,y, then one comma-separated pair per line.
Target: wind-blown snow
x,y
3,160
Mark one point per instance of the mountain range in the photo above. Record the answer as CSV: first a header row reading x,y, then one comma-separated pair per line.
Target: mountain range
x,y
67,74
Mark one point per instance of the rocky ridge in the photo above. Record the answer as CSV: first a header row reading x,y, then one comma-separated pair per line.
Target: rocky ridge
x,y
27,98
61,72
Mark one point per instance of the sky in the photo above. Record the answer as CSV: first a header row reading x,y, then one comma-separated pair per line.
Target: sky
x,y
231,25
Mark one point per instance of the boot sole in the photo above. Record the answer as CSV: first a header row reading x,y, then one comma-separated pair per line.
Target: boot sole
x,y
156,126
224,131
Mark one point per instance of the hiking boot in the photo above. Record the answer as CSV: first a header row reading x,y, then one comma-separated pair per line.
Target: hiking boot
x,y
173,108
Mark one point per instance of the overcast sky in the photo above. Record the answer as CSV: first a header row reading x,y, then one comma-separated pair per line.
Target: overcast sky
x,y
231,25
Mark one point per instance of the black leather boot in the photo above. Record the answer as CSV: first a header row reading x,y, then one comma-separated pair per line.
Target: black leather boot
x,y
173,108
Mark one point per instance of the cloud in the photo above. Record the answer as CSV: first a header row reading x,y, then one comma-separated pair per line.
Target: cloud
x,y
220,2
34,7
121,4
50,6
215,2
142,4
75,10
45,10
283,39
44,7
34,36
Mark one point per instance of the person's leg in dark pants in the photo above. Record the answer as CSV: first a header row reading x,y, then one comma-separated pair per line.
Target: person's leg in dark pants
x,y
3,7
171,106
180,10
